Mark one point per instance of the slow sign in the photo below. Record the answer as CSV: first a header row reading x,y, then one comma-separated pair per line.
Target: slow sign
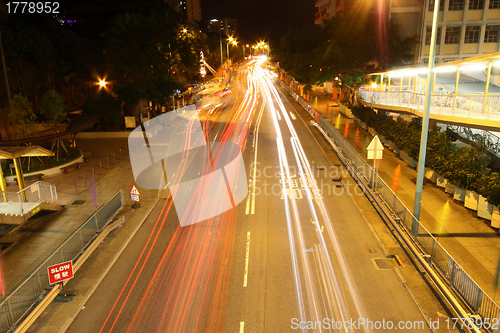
x,y
60,272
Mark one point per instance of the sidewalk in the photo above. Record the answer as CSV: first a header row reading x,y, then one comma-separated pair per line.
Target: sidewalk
x,y
469,239
36,239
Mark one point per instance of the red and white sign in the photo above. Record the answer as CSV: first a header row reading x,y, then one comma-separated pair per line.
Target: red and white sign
x,y
134,193
134,190
60,272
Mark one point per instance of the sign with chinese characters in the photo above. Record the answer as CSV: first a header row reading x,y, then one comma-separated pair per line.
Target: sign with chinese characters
x,y
60,272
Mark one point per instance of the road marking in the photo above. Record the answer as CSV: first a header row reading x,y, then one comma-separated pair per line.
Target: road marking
x,y
247,255
250,206
293,116
242,326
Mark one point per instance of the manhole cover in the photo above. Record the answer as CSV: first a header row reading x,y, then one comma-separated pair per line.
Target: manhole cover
x,y
383,263
78,202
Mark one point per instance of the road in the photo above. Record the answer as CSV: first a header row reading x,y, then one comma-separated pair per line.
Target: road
x,y
295,255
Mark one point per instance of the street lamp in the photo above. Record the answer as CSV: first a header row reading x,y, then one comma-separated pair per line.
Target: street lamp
x,y
102,83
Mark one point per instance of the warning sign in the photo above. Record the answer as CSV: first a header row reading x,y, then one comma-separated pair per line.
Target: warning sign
x,y
134,190
60,272
134,193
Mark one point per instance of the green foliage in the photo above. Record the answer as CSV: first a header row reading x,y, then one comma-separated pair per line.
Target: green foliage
x,y
53,109
22,115
106,109
344,47
465,167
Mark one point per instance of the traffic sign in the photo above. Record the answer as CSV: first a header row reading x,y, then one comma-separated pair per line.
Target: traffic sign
x,y
134,190
134,197
375,149
60,272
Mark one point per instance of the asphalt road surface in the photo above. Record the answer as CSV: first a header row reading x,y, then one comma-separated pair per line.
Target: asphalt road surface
x,y
295,255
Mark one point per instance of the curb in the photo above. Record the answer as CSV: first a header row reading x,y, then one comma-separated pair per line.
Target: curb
x,y
84,300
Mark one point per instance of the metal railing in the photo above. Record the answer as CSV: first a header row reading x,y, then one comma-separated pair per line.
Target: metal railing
x,y
20,202
18,303
487,138
449,269
472,106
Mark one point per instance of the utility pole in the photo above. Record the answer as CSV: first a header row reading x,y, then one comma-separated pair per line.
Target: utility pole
x,y
5,70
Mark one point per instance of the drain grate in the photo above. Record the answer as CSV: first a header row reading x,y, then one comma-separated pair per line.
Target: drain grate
x,y
372,251
337,179
78,202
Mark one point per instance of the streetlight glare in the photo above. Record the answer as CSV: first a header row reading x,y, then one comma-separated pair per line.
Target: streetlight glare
x,y
102,83
184,30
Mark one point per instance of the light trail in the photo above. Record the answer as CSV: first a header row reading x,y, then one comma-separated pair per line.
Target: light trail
x,y
305,171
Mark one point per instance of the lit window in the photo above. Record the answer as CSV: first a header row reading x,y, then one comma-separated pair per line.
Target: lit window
x,y
452,35
476,4
428,36
456,5
472,34
491,33
494,4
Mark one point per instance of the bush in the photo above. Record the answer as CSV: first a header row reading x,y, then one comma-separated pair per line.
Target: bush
x,y
465,167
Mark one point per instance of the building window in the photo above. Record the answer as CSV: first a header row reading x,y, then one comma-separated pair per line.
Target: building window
x,y
428,36
491,33
452,35
456,5
472,34
494,4
476,4
441,5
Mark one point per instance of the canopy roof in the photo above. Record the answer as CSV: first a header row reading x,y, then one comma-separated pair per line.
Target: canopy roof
x,y
10,153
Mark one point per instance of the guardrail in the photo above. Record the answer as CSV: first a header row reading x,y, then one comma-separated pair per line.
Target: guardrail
x,y
27,198
18,303
469,292
475,106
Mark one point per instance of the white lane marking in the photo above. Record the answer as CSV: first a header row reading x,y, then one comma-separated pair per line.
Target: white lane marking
x,y
250,206
293,116
247,257
242,326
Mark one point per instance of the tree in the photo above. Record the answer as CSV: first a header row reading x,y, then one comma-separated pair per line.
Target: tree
x,y
106,109
54,110
22,115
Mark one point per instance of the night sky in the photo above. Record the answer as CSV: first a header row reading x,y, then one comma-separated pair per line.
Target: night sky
x,y
261,19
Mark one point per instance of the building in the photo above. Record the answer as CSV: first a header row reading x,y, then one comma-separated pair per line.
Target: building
x,y
190,9
466,28
407,14
226,26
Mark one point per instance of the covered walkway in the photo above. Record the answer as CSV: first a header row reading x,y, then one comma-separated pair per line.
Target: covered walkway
x,y
464,92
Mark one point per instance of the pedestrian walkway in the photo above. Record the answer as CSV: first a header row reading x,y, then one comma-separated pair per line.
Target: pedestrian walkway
x,y
105,154
29,245
469,239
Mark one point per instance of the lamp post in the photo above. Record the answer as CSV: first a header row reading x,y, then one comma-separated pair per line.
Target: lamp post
x,y
425,123
230,39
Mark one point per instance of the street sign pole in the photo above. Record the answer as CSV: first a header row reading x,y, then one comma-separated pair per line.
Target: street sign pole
x,y
425,123
374,151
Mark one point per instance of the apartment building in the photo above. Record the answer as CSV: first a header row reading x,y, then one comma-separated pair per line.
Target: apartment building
x,y
466,28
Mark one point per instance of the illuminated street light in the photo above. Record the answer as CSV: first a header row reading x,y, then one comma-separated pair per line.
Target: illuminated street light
x,y
102,83
184,30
